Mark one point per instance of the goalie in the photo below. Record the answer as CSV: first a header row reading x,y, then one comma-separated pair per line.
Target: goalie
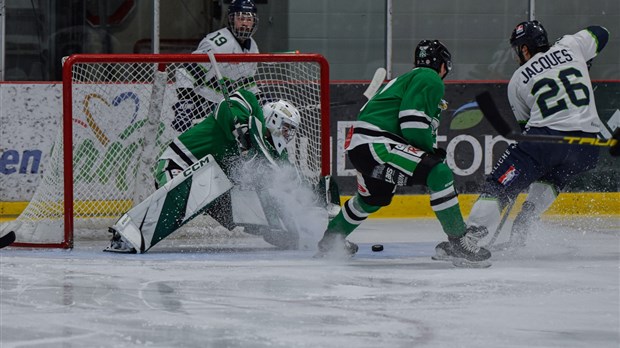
x,y
192,174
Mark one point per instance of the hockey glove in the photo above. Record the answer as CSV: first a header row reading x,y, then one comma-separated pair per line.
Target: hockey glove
x,y
441,153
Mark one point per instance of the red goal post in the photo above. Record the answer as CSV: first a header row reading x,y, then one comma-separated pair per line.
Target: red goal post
x,y
117,114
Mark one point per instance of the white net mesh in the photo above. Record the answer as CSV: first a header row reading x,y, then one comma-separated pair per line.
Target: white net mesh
x,y
122,116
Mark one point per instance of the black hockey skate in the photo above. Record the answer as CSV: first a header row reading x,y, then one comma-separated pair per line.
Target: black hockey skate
x,y
335,245
118,244
464,251
443,252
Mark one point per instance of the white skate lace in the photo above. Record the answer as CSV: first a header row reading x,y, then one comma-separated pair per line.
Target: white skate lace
x,y
470,242
471,238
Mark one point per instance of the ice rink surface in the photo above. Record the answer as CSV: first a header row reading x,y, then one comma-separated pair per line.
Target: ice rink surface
x,y
561,290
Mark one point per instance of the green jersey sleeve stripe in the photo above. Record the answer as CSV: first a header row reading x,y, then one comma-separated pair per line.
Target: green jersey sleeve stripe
x,y
414,122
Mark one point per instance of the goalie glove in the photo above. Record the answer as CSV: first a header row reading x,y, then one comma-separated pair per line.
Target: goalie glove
x,y
183,115
189,110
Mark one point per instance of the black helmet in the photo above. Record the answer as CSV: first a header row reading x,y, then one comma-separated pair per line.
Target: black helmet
x,y
431,54
245,7
531,34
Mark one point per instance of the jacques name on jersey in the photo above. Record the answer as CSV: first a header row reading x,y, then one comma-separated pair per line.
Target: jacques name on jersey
x,y
553,89
547,61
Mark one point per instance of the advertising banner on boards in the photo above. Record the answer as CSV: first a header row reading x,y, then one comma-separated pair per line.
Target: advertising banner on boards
x,y
472,144
30,115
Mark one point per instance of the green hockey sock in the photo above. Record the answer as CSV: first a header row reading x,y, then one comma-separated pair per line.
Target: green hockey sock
x,y
444,200
451,221
352,214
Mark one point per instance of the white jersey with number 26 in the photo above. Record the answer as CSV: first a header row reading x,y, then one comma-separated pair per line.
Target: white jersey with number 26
x,y
553,88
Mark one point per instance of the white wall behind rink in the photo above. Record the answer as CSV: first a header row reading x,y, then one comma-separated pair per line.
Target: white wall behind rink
x,y
30,117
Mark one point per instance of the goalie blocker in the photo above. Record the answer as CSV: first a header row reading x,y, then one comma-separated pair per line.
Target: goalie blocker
x,y
171,206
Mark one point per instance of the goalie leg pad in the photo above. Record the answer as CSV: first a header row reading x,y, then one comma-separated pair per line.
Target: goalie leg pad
x,y
247,207
174,204
166,171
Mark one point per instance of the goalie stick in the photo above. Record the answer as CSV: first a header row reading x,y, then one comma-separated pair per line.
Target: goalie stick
x,y
7,239
491,113
256,133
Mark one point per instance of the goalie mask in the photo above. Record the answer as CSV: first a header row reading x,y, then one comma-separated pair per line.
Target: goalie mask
x,y
242,18
282,120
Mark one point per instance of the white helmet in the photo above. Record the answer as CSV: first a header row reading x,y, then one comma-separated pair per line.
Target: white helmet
x,y
282,120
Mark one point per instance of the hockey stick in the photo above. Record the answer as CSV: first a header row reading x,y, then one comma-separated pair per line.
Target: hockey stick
x,y
375,83
491,113
501,224
7,239
371,90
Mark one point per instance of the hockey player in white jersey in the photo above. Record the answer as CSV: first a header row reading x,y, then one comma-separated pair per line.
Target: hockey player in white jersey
x,y
196,85
550,94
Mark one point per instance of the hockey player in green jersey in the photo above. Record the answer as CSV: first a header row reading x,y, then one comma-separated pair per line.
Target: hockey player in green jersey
x,y
230,131
392,144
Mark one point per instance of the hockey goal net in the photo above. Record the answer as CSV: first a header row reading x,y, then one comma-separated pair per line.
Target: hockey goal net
x,y
118,116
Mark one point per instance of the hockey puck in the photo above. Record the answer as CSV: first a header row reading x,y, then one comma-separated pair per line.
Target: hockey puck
x,y
377,247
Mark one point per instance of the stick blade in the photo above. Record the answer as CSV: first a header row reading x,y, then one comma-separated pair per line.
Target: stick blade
x,y
375,83
491,113
7,239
